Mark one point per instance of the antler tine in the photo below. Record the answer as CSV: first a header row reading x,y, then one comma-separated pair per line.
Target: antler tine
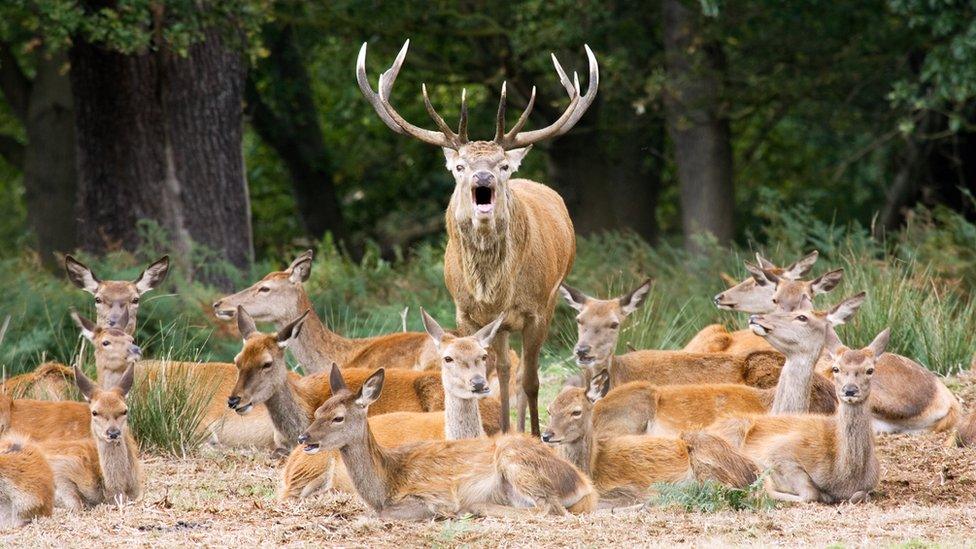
x,y
371,96
463,123
500,120
587,99
438,119
523,118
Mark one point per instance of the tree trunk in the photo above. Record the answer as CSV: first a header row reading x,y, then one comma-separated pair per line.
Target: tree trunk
x,y
159,138
697,126
286,119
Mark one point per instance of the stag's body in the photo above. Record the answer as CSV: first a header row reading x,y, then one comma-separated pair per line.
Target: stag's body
x,y
26,483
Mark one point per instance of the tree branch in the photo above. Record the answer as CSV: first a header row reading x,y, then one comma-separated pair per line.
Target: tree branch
x,y
12,151
14,84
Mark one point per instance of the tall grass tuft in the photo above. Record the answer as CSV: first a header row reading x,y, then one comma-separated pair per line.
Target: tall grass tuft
x,y
167,412
711,497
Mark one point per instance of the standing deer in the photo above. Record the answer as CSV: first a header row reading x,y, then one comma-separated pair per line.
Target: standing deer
x,y
115,297
510,241
432,479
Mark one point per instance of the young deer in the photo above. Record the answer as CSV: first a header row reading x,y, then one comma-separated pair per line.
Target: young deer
x,y
907,396
467,414
115,297
280,297
26,483
624,468
442,478
817,458
103,467
510,241
264,378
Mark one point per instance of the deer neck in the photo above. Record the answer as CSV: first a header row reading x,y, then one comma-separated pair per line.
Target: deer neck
x,y
316,346
462,417
290,410
119,464
581,453
793,388
367,464
109,371
855,438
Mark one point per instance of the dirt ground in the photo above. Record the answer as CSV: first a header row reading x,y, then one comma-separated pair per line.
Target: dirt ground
x,y
927,496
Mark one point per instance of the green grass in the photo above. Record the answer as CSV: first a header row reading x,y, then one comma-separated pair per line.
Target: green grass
x,y
712,497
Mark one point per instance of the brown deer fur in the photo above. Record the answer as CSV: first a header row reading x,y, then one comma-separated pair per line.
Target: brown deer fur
x,y
26,483
965,433
48,381
115,297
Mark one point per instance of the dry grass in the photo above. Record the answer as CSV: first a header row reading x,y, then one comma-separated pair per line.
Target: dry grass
x,y
927,496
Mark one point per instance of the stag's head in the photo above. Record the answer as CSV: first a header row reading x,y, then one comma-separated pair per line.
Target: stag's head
x,y
481,168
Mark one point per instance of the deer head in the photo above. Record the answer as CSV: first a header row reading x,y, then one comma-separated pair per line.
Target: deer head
x,y
114,347
852,369
109,413
571,413
464,360
115,297
599,320
481,169
803,331
341,420
261,368
278,297
769,287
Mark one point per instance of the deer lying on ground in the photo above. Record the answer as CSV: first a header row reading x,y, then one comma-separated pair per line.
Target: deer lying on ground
x,y
598,330
26,483
816,458
104,466
467,414
264,378
431,479
907,397
510,242
965,432
48,381
115,297
624,468
115,349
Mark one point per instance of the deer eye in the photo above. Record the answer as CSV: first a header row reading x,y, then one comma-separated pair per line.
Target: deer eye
x,y
94,413
775,301
338,419
870,371
576,413
614,325
106,343
802,318
98,300
135,300
448,359
835,369
266,365
484,357
504,167
579,321
125,413
264,289
459,168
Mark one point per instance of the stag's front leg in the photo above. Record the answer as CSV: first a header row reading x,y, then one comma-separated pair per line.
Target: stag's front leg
x,y
500,346
533,337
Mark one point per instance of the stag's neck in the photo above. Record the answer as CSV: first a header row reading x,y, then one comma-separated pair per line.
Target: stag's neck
x,y
316,346
462,417
120,468
855,438
793,387
367,464
290,411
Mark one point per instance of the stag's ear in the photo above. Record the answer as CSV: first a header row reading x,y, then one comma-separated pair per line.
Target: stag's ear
x,y
757,274
801,267
80,275
85,385
630,302
515,156
486,334
336,383
843,311
245,324
371,389
826,282
599,386
763,262
291,330
301,267
432,328
880,343
86,326
153,276
125,384
575,298
451,157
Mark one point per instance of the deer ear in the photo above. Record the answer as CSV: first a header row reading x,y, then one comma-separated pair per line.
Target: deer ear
x,y
432,328
153,276
86,326
763,262
880,343
826,282
843,311
245,324
486,334
801,267
575,298
336,383
599,386
125,384
771,276
85,385
301,268
630,302
833,344
757,274
515,156
371,389
80,275
291,330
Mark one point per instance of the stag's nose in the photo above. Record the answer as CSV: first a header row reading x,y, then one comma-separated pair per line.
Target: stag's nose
x,y
114,433
233,401
483,178
303,438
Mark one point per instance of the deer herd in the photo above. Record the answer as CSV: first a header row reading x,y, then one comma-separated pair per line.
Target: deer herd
x,y
410,422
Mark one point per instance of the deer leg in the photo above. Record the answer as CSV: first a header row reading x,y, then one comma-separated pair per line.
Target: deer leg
x,y
407,509
790,482
533,337
500,346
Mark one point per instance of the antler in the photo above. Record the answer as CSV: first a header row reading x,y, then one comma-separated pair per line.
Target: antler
x,y
381,104
578,105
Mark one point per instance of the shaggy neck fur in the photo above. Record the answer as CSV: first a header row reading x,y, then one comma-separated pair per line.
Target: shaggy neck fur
x,y
289,412
462,417
120,468
855,440
316,346
367,464
793,387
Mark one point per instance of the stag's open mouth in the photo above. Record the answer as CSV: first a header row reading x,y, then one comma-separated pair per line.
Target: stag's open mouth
x,y
483,199
311,448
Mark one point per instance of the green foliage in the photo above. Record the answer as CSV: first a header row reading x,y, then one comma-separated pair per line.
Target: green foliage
x,y
166,413
712,497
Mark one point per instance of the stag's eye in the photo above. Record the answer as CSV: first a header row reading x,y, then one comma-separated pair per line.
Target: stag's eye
x,y
459,168
264,289
802,318
448,359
